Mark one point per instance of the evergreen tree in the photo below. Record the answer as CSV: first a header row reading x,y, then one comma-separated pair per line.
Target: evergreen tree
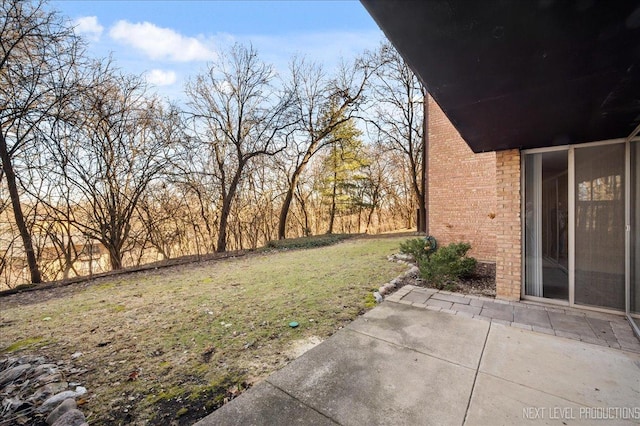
x,y
343,165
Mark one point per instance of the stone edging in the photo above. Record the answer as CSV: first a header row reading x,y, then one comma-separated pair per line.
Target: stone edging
x,y
389,288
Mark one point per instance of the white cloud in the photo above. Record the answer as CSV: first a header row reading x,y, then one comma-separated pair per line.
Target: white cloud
x,y
89,27
161,78
161,43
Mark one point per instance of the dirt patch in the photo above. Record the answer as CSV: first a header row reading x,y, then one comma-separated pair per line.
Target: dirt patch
x,y
188,409
299,347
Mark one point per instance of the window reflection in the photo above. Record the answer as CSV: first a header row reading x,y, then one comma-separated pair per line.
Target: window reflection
x,y
608,188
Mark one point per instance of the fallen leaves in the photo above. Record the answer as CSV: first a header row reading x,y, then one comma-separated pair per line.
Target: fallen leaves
x,y
208,353
133,376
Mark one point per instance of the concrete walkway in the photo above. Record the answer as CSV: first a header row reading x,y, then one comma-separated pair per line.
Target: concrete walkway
x,y
417,365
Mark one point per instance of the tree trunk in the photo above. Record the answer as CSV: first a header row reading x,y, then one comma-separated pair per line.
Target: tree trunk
x,y
12,186
374,203
332,213
284,212
68,265
306,231
222,230
369,218
115,259
226,210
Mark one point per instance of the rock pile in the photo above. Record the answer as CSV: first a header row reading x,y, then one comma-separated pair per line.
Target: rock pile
x,y
390,287
405,259
33,391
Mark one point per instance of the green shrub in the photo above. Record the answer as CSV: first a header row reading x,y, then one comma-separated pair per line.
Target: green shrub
x,y
447,264
308,242
419,248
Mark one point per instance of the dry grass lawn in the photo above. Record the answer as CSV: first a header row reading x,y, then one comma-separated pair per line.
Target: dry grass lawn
x,y
195,334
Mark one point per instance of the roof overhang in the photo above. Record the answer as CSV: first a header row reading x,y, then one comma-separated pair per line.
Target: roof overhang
x,y
523,73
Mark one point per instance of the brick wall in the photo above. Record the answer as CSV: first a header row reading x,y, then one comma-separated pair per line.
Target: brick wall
x,y
508,225
462,189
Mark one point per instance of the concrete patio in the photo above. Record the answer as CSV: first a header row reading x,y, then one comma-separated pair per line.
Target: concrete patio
x,y
579,324
426,357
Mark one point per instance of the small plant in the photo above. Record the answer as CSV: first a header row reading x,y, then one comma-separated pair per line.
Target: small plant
x,y
419,248
447,264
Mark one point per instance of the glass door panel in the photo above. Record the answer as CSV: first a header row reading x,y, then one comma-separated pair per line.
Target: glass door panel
x,y
600,226
546,231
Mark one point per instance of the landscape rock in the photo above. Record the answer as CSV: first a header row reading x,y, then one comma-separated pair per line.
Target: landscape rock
x,y
49,378
414,271
66,405
43,392
13,373
31,387
378,297
401,258
45,369
72,417
59,397
50,402
30,359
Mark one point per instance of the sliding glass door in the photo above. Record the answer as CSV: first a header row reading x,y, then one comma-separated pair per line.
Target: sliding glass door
x,y
581,225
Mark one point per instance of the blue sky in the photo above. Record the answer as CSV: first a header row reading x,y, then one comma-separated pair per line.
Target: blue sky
x,y
171,40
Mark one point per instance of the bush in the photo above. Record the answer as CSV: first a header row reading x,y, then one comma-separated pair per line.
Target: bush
x,y
419,248
447,264
308,242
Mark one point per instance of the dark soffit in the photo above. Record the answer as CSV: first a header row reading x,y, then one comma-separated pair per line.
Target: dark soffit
x,y
523,73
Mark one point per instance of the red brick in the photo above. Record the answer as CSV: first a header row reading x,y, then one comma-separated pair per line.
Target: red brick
x,y
462,189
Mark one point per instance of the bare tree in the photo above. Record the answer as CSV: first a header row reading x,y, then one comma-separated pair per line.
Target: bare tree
x,y
55,237
321,104
38,52
162,207
376,183
110,154
165,215
397,115
194,178
239,115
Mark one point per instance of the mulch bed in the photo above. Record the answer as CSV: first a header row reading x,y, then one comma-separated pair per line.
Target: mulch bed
x,y
481,283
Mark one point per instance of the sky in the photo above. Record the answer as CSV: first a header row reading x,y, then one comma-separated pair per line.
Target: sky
x,y
168,41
